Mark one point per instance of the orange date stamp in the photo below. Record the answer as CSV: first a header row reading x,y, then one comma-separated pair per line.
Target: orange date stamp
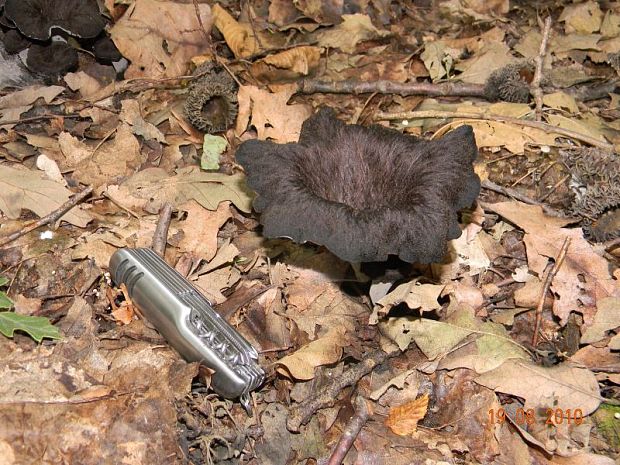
x,y
523,417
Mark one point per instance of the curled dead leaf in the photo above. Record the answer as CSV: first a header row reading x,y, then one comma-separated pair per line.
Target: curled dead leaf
x,y
240,37
287,65
403,420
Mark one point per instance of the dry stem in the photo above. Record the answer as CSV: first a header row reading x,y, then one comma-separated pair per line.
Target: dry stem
x,y
326,396
490,117
362,411
49,218
536,90
548,280
160,236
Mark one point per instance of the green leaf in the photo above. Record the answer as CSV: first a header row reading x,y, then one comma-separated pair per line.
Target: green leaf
x,y
4,281
37,327
5,302
212,148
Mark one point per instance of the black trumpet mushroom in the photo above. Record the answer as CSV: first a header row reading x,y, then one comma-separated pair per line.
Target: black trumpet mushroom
x,y
365,193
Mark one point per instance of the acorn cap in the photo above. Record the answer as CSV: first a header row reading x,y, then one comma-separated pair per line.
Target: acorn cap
x,y
37,18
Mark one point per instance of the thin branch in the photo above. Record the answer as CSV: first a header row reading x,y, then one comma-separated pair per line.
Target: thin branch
x,y
548,280
49,218
490,117
362,411
160,236
350,86
515,194
327,395
535,88
30,119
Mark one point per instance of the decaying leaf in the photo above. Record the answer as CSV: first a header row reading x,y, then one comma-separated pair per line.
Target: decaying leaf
x,y
403,419
200,228
208,189
566,386
300,365
607,318
159,37
240,37
582,280
353,29
131,114
25,189
287,65
491,348
270,114
111,162
414,294
583,18
14,104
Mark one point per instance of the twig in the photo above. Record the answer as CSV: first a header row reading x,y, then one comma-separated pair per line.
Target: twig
x,y
30,119
49,218
160,236
362,411
548,280
326,396
131,213
490,117
515,194
613,244
555,186
535,88
351,86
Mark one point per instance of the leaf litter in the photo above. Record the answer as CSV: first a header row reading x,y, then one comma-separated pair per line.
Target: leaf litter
x,y
440,357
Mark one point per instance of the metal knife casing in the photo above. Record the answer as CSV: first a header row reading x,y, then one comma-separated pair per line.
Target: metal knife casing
x,y
188,322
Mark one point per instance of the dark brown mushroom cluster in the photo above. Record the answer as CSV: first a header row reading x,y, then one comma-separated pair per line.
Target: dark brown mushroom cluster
x,y
42,26
363,192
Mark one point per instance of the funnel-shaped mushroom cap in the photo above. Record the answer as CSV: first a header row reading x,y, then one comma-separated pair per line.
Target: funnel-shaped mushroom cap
x,y
51,60
363,192
37,18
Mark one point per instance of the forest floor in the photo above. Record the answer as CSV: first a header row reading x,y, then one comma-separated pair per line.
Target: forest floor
x,y
506,352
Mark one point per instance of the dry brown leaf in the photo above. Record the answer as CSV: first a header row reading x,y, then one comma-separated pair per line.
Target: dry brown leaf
x,y
160,37
82,82
583,18
568,387
403,420
282,12
498,134
478,68
270,114
584,276
200,228
414,294
13,104
131,114
287,65
322,11
607,318
25,189
154,186
488,7
73,150
300,365
111,162
240,37
353,29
